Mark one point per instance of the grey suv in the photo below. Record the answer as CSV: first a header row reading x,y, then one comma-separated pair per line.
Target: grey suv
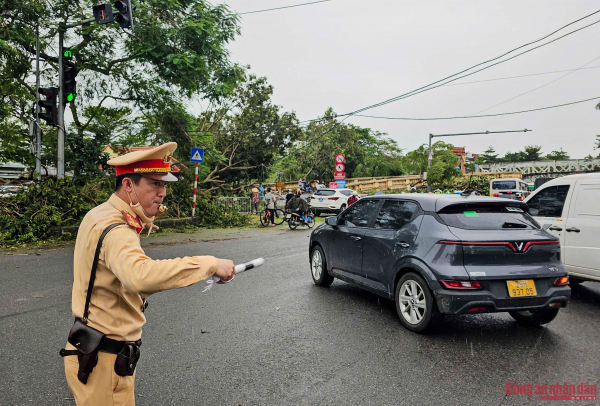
x,y
437,255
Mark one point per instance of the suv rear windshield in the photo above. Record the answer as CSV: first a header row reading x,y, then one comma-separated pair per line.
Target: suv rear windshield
x,y
487,217
322,192
504,185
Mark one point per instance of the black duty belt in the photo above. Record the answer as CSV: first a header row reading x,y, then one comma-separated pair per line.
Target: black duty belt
x,y
106,345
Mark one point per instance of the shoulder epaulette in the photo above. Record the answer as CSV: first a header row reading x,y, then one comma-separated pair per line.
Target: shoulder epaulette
x,y
132,221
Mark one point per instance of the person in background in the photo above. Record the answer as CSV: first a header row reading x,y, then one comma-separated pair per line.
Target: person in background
x,y
353,198
270,201
297,204
288,196
255,199
261,190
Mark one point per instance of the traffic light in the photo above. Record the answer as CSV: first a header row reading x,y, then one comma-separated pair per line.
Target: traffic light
x,y
125,18
69,84
50,116
103,13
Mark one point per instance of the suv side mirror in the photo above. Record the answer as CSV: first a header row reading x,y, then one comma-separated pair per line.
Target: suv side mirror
x,y
332,221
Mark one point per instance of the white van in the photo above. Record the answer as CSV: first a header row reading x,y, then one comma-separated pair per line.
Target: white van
x,y
570,208
511,188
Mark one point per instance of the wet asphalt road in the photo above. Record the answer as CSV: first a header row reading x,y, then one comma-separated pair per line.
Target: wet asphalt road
x,y
273,338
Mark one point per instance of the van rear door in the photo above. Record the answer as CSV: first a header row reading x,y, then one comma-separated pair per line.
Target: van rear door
x,y
582,232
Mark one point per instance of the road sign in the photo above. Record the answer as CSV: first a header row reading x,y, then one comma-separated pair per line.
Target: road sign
x,y
339,167
339,175
280,185
333,185
197,155
339,158
341,184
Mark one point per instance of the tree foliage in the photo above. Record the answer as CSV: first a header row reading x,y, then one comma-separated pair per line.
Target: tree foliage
x,y
557,155
177,51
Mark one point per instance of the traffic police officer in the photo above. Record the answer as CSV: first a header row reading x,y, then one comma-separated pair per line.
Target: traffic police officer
x,y
125,276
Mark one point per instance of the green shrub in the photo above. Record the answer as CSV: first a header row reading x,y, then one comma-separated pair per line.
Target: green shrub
x,y
30,214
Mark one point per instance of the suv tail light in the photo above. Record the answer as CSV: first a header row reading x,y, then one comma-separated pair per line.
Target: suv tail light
x,y
562,281
480,309
333,198
470,285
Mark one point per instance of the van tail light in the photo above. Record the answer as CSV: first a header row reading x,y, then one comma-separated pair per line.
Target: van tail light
x,y
333,198
562,281
468,285
496,194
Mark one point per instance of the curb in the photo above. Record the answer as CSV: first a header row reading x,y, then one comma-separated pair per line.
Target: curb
x,y
162,223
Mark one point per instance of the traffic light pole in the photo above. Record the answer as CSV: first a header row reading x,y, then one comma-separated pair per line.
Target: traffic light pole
x,y
38,129
60,165
429,159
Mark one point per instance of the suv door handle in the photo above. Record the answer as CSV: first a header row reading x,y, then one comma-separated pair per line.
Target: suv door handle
x,y
402,244
573,229
555,228
356,238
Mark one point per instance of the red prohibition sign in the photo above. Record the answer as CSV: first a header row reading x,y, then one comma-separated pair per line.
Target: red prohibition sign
x,y
340,167
339,158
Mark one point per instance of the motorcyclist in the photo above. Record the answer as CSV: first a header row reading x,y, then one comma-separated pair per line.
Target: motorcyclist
x,y
297,204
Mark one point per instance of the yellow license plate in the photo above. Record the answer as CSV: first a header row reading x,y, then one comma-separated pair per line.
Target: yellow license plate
x,y
521,288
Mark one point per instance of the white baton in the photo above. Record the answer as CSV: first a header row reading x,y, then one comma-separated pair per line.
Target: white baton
x,y
238,269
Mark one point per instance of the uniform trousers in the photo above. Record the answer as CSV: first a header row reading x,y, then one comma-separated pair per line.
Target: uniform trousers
x,y
104,387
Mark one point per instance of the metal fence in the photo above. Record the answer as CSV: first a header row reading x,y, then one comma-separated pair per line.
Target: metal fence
x,y
244,204
238,204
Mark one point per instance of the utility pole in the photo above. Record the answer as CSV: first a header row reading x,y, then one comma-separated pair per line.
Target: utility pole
x,y
429,159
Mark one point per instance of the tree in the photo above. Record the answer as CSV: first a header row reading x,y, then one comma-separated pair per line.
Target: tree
x,y
489,156
513,157
532,153
177,51
557,155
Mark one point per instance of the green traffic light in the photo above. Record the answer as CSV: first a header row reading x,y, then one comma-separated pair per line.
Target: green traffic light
x,y
68,54
70,97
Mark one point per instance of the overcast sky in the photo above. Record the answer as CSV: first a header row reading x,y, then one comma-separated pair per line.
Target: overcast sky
x,y
348,54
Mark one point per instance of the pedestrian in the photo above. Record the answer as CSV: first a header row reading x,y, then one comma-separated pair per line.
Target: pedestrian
x,y
270,201
261,190
353,198
113,277
255,198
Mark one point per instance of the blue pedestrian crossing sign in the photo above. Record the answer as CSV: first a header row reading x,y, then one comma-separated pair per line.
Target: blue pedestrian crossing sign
x,y
197,155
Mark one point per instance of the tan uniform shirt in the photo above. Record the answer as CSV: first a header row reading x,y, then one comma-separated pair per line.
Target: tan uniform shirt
x,y
125,273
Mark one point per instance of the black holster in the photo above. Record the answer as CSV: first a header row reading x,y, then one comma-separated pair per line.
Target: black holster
x,y
127,359
87,341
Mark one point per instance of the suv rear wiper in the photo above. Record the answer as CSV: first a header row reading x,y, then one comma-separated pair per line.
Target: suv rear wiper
x,y
513,225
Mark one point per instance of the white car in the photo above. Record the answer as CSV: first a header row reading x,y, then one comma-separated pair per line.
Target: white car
x,y
569,207
329,200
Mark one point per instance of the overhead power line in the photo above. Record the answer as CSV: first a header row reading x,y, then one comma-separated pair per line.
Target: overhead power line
x,y
522,76
477,116
536,88
431,85
280,8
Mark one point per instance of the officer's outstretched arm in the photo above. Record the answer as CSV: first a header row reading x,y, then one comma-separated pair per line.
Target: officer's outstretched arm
x,y
124,256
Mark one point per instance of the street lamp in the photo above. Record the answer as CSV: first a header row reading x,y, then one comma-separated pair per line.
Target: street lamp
x,y
430,157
